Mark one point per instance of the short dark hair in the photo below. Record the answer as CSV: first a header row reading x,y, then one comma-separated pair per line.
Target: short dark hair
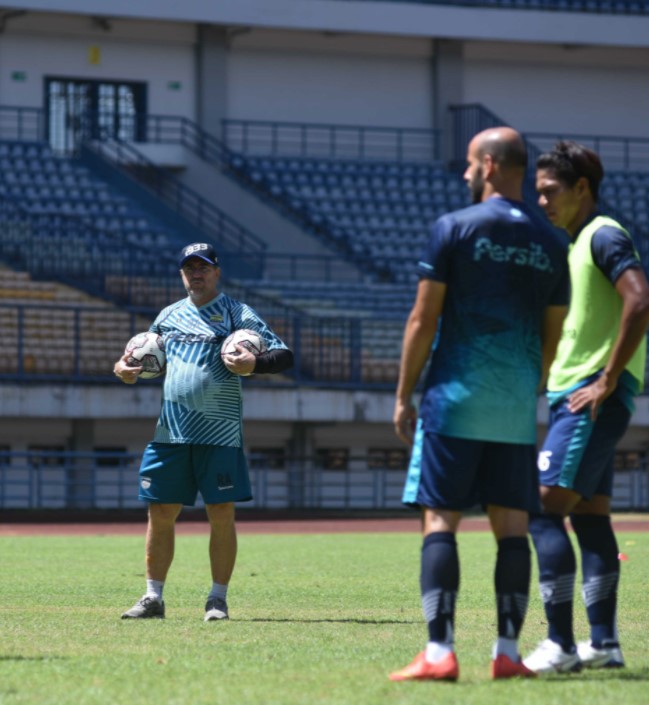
x,y
570,161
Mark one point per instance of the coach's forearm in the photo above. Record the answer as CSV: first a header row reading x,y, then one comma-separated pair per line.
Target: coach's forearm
x,y
274,361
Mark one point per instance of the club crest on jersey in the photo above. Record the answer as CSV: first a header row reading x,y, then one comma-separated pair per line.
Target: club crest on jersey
x,y
216,318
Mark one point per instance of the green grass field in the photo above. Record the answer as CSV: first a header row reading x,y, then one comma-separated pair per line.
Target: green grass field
x,y
314,619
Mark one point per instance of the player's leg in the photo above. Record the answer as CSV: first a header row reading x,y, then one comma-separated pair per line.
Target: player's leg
x,y
166,484
599,550
557,573
439,581
223,554
160,542
441,482
222,477
559,464
600,567
508,479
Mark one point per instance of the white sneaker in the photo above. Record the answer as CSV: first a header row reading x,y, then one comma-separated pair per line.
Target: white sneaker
x,y
216,608
605,657
549,657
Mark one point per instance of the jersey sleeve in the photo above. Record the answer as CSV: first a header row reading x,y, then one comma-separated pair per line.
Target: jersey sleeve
x,y
434,261
613,252
243,316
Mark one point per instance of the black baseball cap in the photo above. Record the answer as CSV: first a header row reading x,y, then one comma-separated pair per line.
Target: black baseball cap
x,y
202,250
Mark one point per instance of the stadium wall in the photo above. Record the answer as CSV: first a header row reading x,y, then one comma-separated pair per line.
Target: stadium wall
x,y
565,89
342,78
313,77
398,18
119,416
160,54
321,61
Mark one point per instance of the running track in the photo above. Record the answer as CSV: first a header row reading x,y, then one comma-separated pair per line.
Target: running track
x,y
246,525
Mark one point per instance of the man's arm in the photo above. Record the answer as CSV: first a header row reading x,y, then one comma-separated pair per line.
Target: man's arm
x,y
271,362
633,288
418,338
274,361
550,337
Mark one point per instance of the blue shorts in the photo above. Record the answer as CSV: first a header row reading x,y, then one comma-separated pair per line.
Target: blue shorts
x,y
174,473
459,473
578,453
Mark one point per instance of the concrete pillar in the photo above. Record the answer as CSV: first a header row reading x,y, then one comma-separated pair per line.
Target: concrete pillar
x,y
80,475
211,77
300,474
448,89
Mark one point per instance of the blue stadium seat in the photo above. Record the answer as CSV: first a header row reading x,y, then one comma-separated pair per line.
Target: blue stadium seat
x,y
351,198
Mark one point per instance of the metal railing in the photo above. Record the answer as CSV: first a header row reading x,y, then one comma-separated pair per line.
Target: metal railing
x,y
617,153
215,223
330,141
78,344
108,480
171,129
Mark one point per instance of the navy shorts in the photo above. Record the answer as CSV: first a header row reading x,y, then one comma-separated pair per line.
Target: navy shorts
x,y
458,473
172,473
578,453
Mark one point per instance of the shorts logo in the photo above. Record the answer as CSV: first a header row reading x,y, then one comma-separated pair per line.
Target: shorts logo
x,y
543,462
224,481
145,482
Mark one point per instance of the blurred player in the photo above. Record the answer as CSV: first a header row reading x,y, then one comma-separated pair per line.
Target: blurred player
x,y
197,445
494,287
598,370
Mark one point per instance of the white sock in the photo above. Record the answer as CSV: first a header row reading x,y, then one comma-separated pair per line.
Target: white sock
x,y
436,651
154,589
220,591
507,647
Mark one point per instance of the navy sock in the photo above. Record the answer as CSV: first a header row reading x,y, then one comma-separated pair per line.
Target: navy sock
x,y
600,568
557,569
439,581
512,582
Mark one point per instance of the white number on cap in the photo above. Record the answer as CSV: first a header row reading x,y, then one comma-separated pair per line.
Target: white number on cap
x,y
195,248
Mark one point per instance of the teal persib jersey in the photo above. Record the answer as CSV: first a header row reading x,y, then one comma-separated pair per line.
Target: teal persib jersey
x,y
503,267
201,399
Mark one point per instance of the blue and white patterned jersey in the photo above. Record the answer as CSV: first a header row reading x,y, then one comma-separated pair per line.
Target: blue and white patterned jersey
x,y
503,266
201,398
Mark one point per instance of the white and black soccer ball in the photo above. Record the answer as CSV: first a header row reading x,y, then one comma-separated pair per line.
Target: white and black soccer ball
x,y
248,339
148,350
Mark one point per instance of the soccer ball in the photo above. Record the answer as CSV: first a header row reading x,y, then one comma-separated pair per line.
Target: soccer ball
x,y
249,339
148,350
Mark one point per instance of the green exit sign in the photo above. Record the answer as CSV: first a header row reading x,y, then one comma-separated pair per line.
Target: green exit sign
x,y
19,76
174,85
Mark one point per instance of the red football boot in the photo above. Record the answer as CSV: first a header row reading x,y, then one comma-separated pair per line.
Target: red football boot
x,y
445,669
503,667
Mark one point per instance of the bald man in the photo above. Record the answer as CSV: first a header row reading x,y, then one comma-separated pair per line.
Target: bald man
x,y
491,299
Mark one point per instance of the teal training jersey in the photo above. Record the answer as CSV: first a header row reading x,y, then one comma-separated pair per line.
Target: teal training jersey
x,y
503,266
201,399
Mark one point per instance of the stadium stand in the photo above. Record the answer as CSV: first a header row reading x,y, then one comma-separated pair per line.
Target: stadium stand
x,y
378,212
295,111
